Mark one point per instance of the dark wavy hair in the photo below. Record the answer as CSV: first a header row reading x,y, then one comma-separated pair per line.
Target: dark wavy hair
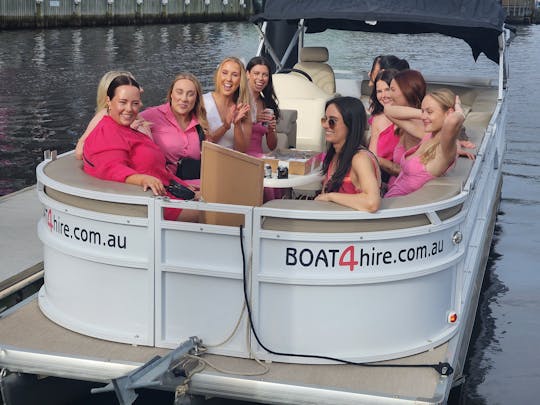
x,y
386,76
393,62
118,81
268,94
413,86
354,117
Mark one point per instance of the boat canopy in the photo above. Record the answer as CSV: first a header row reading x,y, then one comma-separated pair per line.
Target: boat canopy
x,y
477,22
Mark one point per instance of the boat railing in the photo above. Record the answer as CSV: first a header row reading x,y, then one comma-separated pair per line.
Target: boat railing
x,y
115,269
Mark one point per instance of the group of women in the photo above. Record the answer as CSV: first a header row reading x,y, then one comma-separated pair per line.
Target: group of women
x,y
413,135
413,138
160,148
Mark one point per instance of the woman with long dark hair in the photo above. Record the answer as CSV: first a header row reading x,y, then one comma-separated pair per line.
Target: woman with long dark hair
x,y
352,174
383,139
265,110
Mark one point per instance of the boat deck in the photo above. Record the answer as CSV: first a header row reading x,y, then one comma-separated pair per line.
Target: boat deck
x,y
20,248
18,330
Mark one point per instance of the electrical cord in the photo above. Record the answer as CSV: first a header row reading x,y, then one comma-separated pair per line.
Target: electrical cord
x,y
444,369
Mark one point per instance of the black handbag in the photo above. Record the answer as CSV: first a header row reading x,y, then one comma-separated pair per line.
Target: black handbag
x,y
189,168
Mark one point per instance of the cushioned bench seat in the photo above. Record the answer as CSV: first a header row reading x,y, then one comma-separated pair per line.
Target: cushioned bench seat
x,y
68,171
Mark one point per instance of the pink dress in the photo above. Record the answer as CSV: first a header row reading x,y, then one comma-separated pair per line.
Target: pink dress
x,y
347,186
258,130
387,141
413,173
114,152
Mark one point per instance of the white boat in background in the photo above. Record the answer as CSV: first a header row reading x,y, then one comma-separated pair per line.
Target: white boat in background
x,y
342,306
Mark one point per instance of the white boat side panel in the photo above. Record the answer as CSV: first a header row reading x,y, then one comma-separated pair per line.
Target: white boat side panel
x,y
96,239
99,277
199,284
326,254
98,299
355,322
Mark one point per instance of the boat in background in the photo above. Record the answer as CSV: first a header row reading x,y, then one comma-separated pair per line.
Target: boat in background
x,y
343,306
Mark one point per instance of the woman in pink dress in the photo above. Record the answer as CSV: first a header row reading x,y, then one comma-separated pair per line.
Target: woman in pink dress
x,y
383,138
264,99
114,151
352,175
436,153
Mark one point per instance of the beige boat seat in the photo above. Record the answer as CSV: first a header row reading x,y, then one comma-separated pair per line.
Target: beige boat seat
x,y
313,61
286,131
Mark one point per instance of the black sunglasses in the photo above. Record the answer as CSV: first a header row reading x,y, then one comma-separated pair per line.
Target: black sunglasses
x,y
331,121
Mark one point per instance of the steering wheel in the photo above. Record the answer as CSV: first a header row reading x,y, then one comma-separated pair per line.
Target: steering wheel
x,y
305,74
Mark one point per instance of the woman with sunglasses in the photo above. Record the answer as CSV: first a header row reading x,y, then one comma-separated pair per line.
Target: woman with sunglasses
x,y
352,174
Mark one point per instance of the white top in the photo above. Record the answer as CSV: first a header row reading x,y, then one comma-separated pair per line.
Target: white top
x,y
214,121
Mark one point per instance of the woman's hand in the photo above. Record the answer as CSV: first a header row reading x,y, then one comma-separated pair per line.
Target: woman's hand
x,y
324,197
458,108
147,182
242,111
142,126
272,125
467,144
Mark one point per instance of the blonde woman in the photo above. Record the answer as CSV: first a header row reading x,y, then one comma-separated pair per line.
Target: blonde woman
x,y
436,153
228,106
101,110
179,126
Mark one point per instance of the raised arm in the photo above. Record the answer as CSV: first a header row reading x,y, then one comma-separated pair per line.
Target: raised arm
x,y
451,128
242,127
407,118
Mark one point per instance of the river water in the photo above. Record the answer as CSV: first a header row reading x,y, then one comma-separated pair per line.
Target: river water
x,y
47,95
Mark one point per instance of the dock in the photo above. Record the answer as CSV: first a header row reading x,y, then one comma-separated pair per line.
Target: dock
x,y
20,247
15,14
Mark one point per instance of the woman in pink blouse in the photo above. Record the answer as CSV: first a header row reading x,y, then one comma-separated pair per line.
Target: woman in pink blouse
x,y
179,126
114,151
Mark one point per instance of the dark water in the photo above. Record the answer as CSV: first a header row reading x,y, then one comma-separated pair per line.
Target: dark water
x,y
47,95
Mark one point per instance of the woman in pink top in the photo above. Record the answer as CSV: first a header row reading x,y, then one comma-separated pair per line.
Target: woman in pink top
x,y
101,110
352,172
383,138
264,99
178,126
114,151
442,118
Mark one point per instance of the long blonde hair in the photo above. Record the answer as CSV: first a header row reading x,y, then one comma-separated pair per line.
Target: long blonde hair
x,y
199,109
242,94
104,83
446,99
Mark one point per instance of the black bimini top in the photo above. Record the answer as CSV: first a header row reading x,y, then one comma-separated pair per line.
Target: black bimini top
x,y
477,22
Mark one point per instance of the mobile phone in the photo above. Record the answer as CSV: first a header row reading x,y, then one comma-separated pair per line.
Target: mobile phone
x,y
180,191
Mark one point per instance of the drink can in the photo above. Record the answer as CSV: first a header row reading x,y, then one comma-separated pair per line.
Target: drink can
x,y
267,111
267,171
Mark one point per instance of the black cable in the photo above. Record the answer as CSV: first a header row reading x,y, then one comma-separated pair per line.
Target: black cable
x,y
442,368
